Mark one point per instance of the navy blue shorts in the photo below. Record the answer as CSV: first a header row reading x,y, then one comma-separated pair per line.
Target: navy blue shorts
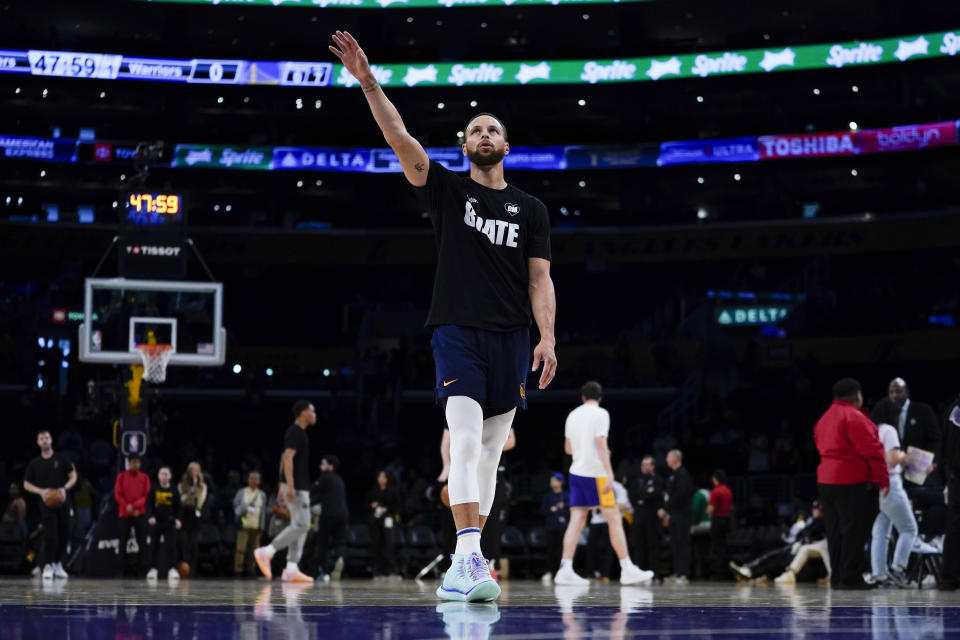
x,y
489,366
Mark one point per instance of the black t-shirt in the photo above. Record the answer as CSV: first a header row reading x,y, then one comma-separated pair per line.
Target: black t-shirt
x,y
296,439
49,473
484,238
331,493
163,503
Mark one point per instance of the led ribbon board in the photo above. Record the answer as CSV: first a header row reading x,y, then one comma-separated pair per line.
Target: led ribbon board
x,y
320,74
912,137
389,4
100,66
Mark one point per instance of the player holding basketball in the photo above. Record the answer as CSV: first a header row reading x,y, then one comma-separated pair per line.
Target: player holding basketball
x,y
51,473
493,265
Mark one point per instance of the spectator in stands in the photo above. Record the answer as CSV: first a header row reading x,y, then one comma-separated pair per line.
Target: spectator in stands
x,y
250,510
646,493
678,512
721,499
383,502
852,469
163,507
51,472
917,426
193,495
130,491
16,508
790,559
895,509
331,493
555,506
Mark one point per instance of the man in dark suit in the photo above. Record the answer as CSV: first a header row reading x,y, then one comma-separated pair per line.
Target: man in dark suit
x,y
678,510
646,493
918,427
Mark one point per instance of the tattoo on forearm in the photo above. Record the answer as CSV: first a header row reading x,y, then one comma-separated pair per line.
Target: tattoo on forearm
x,y
418,167
370,87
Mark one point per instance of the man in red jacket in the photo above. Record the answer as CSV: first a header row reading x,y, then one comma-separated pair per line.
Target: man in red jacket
x,y
131,491
852,469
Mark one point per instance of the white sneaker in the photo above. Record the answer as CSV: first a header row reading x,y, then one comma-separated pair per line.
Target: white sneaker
x,y
152,575
925,548
787,577
632,574
682,580
48,572
566,575
742,571
59,572
173,575
546,578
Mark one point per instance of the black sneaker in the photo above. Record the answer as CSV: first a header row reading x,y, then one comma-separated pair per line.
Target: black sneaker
x,y
899,577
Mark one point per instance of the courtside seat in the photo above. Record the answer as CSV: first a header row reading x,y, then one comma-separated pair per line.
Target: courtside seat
x,y
211,552
358,550
12,547
537,549
514,548
421,547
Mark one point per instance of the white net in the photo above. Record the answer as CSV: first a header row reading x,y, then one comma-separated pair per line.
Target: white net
x,y
155,358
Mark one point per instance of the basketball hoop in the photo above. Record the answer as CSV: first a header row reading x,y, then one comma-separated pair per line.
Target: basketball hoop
x,y
155,358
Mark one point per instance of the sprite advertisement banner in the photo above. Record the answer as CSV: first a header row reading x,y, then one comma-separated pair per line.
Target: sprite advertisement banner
x,y
222,157
102,66
387,4
693,65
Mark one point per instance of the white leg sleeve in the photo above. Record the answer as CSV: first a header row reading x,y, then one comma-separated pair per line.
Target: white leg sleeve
x,y
495,432
465,420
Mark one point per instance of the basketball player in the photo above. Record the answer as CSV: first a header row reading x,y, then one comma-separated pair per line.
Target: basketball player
x,y
493,265
591,486
294,491
51,472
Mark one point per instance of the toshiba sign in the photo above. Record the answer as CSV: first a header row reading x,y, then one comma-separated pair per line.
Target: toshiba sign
x,y
808,146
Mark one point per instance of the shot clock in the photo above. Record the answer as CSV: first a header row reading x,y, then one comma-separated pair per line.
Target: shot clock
x,y
154,209
152,235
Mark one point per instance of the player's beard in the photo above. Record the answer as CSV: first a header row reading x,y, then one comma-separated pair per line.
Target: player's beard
x,y
487,159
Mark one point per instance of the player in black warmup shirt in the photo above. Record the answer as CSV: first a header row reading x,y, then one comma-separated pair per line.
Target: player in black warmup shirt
x,y
49,472
163,506
493,270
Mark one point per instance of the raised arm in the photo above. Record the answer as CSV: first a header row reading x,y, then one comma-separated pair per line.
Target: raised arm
x,y
412,157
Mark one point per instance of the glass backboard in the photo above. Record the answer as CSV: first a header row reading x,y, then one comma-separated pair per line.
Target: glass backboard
x,y
186,315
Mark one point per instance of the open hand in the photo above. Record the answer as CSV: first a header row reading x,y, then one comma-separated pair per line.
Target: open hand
x,y
352,56
544,353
